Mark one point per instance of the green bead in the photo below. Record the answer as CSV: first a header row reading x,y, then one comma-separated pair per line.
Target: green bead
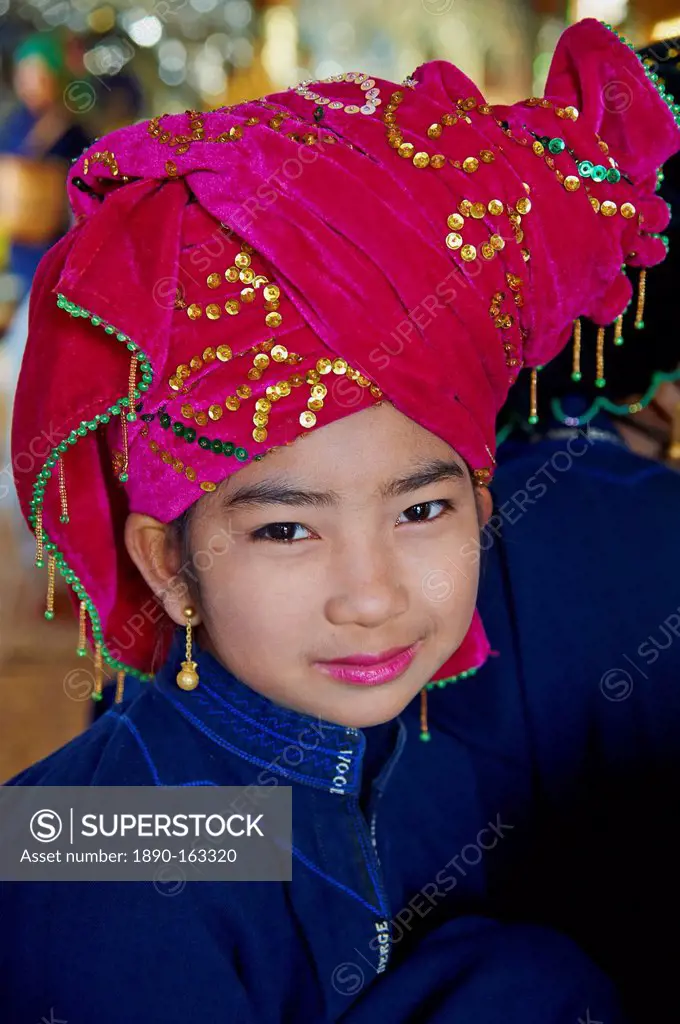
x,y
115,410
189,434
92,425
241,454
425,736
229,447
216,447
71,439
104,418
49,615
600,382
39,563
576,376
640,325
131,417
533,420
96,320
613,175
123,478
441,683
62,447
81,652
618,342
178,428
63,519
143,386
585,168
599,173
557,145
124,401
96,696
110,329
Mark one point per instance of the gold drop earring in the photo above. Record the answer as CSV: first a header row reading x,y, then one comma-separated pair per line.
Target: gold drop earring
x,y
187,677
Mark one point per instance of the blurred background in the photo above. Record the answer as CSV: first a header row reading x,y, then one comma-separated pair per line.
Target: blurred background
x,y
72,70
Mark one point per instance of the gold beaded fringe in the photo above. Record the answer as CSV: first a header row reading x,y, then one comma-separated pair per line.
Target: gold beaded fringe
x,y
82,633
39,553
51,572
642,288
533,397
599,357
124,412
120,683
576,357
63,499
424,731
98,671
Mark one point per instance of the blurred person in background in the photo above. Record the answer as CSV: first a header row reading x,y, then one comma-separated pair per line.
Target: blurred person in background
x,y
38,140
120,101
44,140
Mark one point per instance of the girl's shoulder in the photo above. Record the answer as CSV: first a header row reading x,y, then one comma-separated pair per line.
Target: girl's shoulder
x,y
145,741
106,753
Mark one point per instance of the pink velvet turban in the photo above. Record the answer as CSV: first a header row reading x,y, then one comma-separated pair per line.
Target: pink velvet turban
x,y
237,278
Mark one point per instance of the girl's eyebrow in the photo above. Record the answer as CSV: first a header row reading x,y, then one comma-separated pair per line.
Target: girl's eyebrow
x,y
273,492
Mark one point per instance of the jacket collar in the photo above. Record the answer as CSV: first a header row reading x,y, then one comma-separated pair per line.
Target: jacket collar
x,y
298,747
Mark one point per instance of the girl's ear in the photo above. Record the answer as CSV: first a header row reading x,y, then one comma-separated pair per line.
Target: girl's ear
x,y
154,549
484,504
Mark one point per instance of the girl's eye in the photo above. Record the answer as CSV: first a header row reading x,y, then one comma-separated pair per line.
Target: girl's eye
x,y
282,533
286,533
421,511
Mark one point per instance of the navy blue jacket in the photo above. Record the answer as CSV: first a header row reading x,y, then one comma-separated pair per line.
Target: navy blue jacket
x,y
480,877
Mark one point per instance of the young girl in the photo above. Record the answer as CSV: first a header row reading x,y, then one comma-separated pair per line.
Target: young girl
x,y
364,267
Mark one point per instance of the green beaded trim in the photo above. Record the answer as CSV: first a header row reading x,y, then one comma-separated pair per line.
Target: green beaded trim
x,y
215,445
585,168
441,683
82,430
651,75
619,410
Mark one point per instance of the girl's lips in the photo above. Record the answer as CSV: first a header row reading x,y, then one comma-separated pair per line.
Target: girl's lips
x,y
371,674
367,659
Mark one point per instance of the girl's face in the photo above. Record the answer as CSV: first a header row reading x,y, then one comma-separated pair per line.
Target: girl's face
x,y
349,543
35,84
